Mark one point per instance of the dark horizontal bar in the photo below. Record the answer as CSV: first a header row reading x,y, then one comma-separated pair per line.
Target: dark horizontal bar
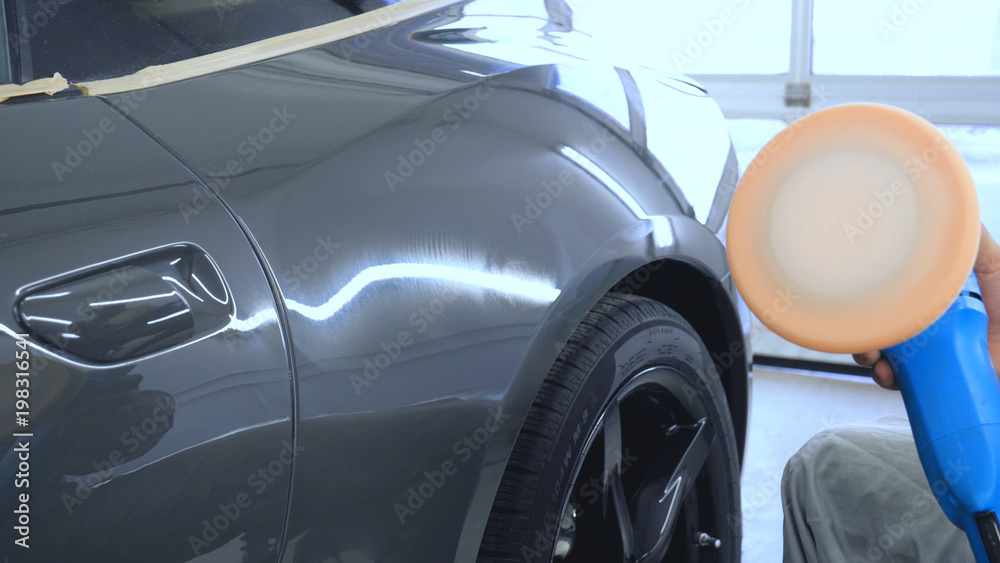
x,y
810,365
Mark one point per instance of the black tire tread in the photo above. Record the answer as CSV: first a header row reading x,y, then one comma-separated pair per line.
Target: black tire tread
x,y
610,318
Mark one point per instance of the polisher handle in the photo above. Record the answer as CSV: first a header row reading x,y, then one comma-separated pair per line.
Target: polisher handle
x,y
952,397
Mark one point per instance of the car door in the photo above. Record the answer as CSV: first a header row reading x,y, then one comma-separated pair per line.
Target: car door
x,y
145,389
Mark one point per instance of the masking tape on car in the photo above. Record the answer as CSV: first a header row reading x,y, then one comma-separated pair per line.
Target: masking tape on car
x,y
50,85
231,58
262,50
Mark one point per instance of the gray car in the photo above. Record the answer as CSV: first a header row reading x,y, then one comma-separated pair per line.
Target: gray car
x,y
359,281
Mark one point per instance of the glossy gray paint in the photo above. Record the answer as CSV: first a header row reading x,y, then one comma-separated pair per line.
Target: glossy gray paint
x,y
422,308
128,458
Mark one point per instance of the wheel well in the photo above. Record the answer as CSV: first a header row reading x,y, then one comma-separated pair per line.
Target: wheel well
x,y
703,302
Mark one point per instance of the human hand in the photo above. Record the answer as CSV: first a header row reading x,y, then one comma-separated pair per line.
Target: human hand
x,y
988,272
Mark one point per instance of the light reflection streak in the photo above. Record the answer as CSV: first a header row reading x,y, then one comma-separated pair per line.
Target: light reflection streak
x,y
530,290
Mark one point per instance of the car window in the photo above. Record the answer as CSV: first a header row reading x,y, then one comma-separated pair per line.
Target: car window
x,y
5,75
94,39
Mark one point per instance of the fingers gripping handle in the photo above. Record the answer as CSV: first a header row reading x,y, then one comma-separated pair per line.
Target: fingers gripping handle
x,y
952,396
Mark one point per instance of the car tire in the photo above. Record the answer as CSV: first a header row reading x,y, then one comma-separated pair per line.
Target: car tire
x,y
631,419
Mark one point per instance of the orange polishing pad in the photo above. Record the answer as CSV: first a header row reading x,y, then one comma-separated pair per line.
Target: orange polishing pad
x,y
854,229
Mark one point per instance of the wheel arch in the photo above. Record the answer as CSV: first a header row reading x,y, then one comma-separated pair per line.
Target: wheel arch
x,y
688,272
704,302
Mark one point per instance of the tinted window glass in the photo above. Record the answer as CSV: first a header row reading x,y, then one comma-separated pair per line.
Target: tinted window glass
x,y
93,39
4,59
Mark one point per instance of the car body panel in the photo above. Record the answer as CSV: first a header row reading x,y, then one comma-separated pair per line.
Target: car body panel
x,y
436,204
436,223
129,458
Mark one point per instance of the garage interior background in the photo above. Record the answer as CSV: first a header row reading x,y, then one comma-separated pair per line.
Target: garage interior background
x,y
768,62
